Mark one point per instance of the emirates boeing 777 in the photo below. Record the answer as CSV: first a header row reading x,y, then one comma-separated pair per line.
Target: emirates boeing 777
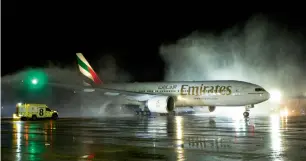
x,y
165,97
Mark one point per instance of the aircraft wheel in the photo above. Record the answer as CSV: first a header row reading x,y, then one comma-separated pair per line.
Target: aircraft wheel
x,y
140,113
246,114
145,113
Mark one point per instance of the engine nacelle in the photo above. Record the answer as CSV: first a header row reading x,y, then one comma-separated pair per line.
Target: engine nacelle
x,y
211,108
161,104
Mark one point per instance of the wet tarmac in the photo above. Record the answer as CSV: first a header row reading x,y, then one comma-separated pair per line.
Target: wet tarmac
x,y
191,138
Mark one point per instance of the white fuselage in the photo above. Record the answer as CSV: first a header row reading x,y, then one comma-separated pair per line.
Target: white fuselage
x,y
201,93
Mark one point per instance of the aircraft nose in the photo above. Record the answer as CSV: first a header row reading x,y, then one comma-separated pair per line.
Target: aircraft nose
x,y
268,95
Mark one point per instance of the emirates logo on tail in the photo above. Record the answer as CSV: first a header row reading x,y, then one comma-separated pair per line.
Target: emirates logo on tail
x,y
87,70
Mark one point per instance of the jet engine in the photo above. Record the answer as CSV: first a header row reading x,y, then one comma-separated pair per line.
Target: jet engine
x,y
211,108
161,104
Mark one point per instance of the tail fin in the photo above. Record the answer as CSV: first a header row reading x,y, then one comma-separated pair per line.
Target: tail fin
x,y
87,70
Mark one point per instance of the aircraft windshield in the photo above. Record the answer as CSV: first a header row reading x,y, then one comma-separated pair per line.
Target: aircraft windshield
x,y
259,89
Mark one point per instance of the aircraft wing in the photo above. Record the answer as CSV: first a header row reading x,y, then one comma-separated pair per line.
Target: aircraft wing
x,y
108,92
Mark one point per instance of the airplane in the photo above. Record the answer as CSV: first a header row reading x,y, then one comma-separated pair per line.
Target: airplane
x,y
165,97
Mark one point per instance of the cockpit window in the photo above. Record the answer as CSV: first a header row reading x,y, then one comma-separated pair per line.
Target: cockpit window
x,y
259,89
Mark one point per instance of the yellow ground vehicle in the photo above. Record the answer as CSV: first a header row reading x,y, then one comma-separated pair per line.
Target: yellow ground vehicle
x,y
26,111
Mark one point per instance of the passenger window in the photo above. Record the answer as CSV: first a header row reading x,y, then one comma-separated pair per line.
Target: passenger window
x,y
259,89
48,109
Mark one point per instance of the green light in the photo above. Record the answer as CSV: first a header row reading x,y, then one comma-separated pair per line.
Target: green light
x,y
35,79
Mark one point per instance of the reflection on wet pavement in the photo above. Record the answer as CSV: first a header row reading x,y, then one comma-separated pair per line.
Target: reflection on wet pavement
x,y
161,138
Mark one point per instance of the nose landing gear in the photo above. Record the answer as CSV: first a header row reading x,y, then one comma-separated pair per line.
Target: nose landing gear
x,y
246,114
247,110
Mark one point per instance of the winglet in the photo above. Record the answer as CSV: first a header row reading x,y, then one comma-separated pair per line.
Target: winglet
x,y
87,70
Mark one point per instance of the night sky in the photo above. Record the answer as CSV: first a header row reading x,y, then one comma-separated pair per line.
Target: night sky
x,y
34,36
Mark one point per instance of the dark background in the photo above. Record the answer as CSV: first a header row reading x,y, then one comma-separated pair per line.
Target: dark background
x,y
37,34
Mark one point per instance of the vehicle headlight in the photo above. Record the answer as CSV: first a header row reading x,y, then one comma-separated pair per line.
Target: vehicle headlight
x,y
15,116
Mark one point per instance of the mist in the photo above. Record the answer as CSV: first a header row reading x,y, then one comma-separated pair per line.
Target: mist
x,y
110,71
261,52
69,102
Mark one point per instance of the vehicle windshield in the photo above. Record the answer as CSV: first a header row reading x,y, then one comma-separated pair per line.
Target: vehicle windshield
x,y
48,109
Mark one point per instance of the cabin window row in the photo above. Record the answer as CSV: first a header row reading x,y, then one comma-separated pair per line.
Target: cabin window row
x,y
173,91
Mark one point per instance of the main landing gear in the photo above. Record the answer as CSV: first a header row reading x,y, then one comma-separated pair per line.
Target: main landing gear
x,y
247,110
143,113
